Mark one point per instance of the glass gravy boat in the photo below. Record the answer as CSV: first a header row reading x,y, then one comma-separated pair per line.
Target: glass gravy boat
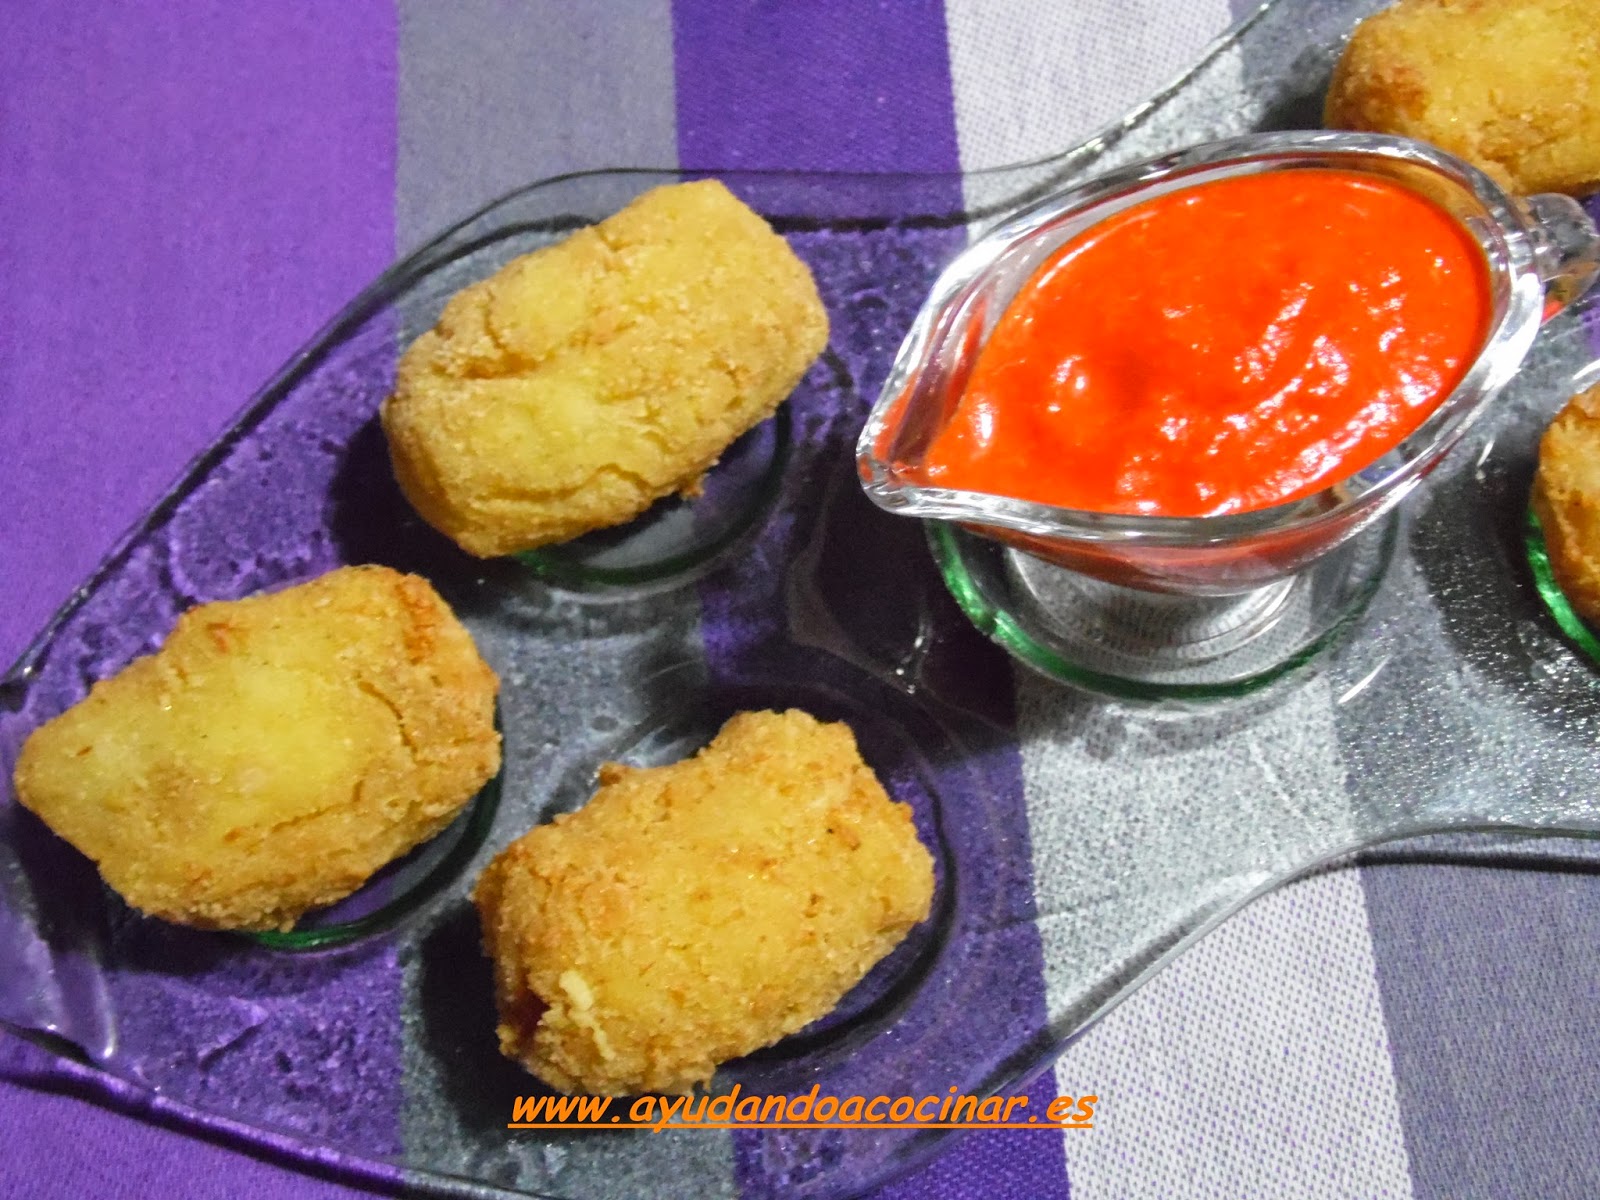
x,y
1148,605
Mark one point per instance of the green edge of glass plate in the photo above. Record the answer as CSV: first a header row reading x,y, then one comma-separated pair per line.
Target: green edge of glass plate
x,y
1555,600
480,819
557,564
1000,626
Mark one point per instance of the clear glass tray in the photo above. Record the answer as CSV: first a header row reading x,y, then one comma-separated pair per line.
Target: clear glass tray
x,y
1456,705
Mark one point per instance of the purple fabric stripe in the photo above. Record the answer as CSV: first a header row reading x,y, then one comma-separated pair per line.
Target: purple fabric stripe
x,y
164,1154
190,192
1591,317
995,1166
786,86
765,86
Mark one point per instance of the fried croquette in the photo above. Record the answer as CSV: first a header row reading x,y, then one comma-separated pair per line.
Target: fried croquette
x,y
274,753
585,381
1512,86
692,913
1566,499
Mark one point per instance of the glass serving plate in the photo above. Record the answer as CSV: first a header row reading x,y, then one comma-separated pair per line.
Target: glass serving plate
x,y
1455,704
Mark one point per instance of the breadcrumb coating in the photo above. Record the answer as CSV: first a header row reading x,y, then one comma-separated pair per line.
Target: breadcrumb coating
x,y
587,380
1566,498
1512,86
692,913
274,753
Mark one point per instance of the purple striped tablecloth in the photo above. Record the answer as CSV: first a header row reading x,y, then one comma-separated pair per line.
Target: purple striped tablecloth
x,y
189,190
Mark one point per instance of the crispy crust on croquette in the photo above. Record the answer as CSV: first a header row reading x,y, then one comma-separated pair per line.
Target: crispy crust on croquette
x,y
586,380
692,913
274,753
1566,499
1512,86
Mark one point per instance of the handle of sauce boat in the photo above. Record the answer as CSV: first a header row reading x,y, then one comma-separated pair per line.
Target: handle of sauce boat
x,y
1566,247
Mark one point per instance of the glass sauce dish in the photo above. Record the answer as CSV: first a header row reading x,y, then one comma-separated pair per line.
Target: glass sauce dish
x,y
1138,605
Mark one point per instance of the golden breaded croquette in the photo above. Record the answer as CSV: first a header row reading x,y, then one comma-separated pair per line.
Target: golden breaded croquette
x,y
1566,499
1512,86
274,753
692,913
585,381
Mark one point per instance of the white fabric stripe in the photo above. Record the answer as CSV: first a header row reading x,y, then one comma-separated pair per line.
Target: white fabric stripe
x,y
1257,1063
1035,77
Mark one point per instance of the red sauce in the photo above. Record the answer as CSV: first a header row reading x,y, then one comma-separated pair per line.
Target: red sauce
x,y
1221,348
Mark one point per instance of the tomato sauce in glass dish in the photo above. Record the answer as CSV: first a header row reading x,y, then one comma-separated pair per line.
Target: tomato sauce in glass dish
x,y
1221,348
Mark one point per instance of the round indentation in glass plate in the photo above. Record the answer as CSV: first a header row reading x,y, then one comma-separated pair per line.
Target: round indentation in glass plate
x,y
1136,645
402,887
678,540
1555,600
902,763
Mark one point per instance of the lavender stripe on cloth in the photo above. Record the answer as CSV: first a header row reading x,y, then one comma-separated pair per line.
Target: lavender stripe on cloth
x,y
494,96
1490,984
